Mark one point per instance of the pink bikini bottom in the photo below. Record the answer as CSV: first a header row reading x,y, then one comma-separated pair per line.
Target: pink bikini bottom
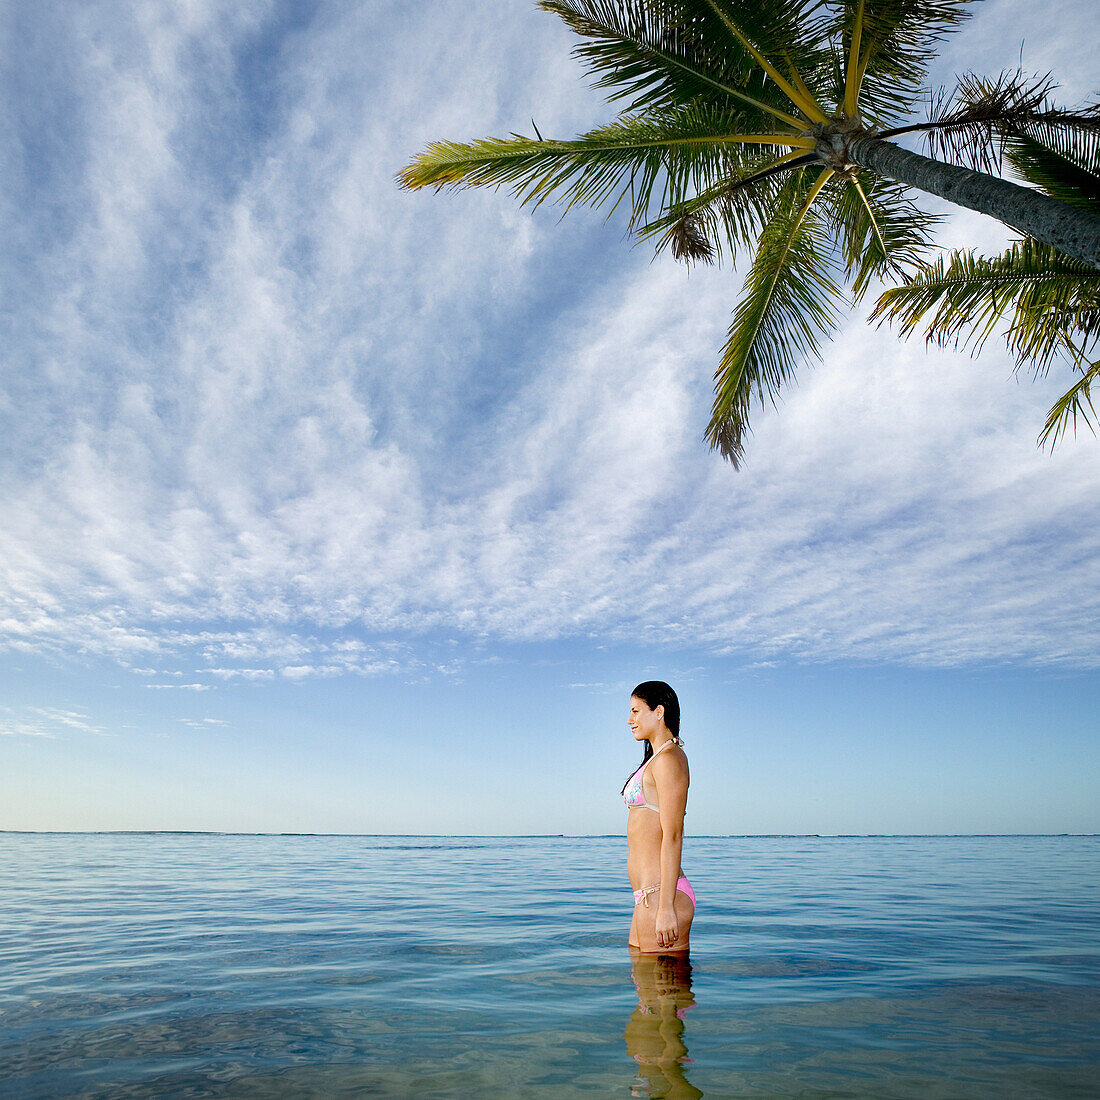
x,y
682,885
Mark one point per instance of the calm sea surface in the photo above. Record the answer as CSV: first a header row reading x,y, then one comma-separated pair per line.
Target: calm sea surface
x,y
204,965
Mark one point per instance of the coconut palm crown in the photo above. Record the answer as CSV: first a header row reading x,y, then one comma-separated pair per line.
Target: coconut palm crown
x,y
765,125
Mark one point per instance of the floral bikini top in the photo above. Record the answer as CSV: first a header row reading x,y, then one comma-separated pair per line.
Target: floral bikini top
x,y
633,794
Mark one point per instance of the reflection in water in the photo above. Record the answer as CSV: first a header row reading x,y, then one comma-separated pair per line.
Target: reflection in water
x,y
655,1032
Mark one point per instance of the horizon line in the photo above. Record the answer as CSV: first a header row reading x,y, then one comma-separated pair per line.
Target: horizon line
x,y
523,836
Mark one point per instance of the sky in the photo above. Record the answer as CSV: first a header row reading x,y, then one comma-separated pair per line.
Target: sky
x,y
328,507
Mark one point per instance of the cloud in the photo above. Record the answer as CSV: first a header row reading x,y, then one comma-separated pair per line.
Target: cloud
x,y
48,722
23,729
202,723
279,414
242,673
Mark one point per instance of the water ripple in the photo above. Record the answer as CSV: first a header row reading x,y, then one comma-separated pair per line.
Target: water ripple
x,y
199,965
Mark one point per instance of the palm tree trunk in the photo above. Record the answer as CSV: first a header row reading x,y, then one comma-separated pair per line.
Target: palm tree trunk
x,y
1071,229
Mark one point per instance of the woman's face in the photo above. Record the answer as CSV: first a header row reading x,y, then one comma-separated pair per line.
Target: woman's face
x,y
644,722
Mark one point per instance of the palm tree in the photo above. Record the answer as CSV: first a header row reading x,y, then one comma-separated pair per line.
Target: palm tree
x,y
1050,300
765,123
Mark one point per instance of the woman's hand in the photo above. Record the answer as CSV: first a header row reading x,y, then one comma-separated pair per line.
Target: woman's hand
x,y
668,929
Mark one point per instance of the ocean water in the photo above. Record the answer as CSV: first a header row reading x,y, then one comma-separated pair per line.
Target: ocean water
x,y
184,965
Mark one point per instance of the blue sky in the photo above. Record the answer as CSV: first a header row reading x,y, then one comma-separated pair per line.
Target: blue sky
x,y
329,507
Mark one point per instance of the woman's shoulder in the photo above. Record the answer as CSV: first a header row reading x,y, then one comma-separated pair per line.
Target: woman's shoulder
x,y
672,759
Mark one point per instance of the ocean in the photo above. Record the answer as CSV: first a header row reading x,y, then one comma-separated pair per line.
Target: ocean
x,y
191,965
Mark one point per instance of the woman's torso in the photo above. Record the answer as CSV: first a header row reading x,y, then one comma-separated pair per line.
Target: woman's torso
x,y
643,826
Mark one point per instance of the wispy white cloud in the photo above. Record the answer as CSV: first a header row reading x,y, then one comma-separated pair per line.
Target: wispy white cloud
x,y
242,673
48,722
286,413
202,723
74,719
23,729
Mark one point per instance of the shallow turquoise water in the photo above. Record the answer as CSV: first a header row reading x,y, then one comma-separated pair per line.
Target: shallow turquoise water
x,y
203,965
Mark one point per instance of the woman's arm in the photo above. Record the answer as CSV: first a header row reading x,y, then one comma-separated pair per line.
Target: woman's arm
x,y
671,776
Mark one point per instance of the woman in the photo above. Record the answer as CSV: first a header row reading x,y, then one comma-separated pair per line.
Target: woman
x,y
656,794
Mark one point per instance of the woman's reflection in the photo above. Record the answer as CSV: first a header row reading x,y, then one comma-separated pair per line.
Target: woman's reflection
x,y
655,1032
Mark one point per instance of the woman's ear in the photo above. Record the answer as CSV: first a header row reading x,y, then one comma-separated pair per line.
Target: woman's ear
x,y
660,712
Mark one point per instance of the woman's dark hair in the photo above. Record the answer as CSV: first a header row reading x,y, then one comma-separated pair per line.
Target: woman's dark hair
x,y
656,693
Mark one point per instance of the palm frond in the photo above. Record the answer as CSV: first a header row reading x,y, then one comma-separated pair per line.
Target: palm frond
x,y
799,81
728,214
972,125
1064,162
689,242
657,160
1041,294
785,39
880,229
1071,405
742,35
857,62
897,42
797,28
1056,314
660,53
790,302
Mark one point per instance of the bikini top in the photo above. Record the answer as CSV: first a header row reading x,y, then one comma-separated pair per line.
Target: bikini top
x,y
634,795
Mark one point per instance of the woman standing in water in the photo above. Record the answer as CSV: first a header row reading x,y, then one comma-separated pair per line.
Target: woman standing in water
x,y
656,795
